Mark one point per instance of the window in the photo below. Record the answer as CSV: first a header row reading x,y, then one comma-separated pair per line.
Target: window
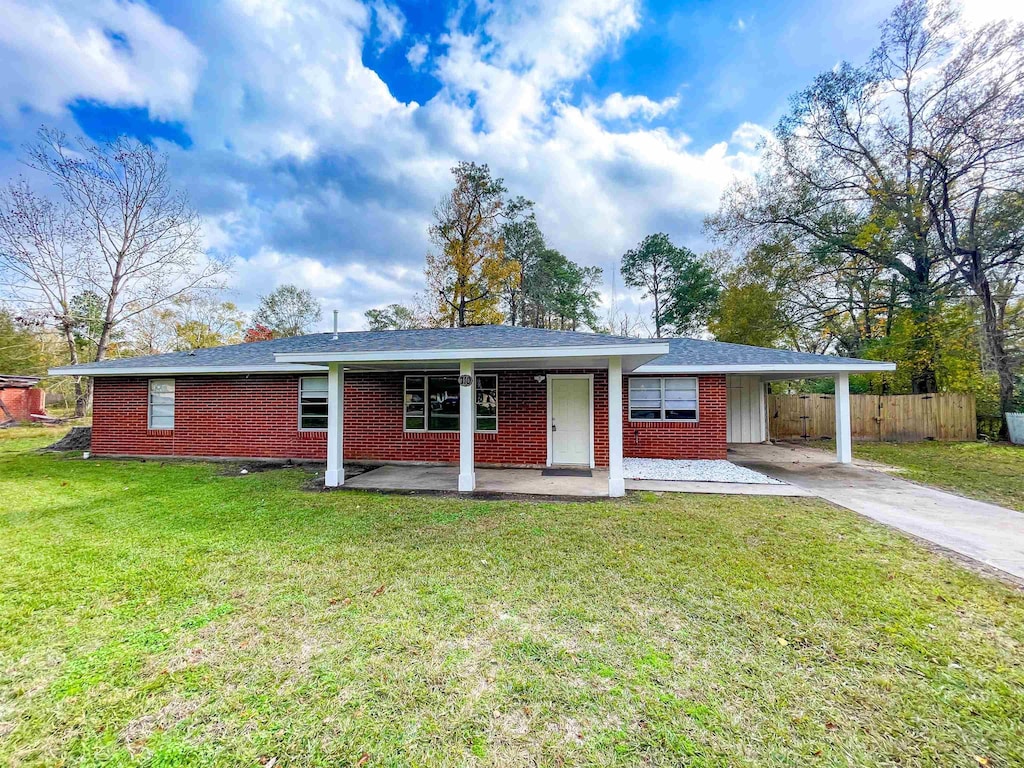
x,y
487,403
668,399
442,403
432,403
313,402
161,403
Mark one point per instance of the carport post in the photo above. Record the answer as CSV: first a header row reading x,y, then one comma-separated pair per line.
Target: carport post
x,y
844,437
335,474
467,410
616,485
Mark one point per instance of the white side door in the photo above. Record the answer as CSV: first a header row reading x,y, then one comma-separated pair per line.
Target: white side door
x,y
569,421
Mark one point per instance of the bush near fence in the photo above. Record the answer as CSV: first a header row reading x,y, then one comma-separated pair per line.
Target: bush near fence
x,y
879,418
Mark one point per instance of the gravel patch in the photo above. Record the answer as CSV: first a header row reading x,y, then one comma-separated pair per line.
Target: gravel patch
x,y
708,471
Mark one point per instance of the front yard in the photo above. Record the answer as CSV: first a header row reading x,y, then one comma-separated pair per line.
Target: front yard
x,y
183,614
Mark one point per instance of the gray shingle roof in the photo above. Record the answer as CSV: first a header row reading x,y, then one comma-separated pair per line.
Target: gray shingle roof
x,y
476,337
688,352
700,352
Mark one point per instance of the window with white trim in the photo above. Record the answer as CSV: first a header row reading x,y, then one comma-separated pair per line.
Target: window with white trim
x,y
161,403
313,402
431,403
663,399
486,414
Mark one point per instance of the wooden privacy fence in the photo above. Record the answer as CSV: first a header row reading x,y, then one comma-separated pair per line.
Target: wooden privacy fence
x,y
889,418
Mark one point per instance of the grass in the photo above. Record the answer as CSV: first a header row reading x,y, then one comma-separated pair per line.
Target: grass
x,y
987,471
180,614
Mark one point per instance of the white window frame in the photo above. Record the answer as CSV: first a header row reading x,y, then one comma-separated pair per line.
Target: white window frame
x,y
662,380
426,403
149,403
299,405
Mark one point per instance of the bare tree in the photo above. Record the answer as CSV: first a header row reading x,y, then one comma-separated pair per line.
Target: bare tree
x,y
126,235
42,265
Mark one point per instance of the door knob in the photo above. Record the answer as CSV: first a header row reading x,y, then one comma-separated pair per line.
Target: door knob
x,y
554,428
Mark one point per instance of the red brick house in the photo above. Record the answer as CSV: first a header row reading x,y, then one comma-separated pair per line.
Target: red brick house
x,y
536,398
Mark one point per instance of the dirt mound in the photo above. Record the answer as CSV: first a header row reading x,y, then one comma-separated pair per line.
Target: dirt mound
x,y
78,439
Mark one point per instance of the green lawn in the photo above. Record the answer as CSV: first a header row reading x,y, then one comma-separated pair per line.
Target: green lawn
x,y
987,471
178,614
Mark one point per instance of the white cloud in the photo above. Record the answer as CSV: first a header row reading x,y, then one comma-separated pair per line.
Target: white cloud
x,y
619,107
749,135
978,12
739,25
118,53
310,171
390,23
417,54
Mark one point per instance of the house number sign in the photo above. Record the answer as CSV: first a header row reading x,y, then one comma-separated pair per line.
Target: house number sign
x,y
465,380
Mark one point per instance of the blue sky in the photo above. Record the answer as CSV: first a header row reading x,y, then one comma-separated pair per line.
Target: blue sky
x,y
315,137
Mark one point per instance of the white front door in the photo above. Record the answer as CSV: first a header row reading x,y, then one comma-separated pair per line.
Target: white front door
x,y
569,420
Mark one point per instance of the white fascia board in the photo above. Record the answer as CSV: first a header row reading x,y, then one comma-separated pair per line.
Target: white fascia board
x,y
179,370
511,353
793,368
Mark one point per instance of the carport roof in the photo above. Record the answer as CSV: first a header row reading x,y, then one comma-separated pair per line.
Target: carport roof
x,y
308,353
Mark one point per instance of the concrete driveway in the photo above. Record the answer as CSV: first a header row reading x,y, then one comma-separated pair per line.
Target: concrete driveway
x,y
987,533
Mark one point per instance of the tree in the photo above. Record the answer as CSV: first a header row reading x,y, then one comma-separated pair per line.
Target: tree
x,y
205,321
924,145
466,271
43,263
682,286
258,332
747,313
693,291
120,231
524,244
287,311
393,317
22,351
560,293
649,267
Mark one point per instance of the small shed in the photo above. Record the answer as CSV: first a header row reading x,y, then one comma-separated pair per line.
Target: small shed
x,y
20,397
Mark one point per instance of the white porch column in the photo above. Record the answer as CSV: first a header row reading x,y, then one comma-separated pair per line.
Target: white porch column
x,y
616,485
335,474
467,411
844,436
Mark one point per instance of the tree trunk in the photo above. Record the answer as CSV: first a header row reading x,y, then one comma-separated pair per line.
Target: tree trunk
x,y
83,391
995,341
923,380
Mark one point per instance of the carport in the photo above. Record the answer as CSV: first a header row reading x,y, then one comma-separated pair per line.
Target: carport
x,y
748,370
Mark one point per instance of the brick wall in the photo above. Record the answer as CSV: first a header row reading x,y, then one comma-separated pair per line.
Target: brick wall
x,y
703,439
233,416
257,416
374,426
22,402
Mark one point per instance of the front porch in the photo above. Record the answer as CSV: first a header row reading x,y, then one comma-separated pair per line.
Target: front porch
x,y
403,478
514,482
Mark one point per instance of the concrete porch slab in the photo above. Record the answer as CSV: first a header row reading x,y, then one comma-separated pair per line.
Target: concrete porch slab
x,y
393,477
531,482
